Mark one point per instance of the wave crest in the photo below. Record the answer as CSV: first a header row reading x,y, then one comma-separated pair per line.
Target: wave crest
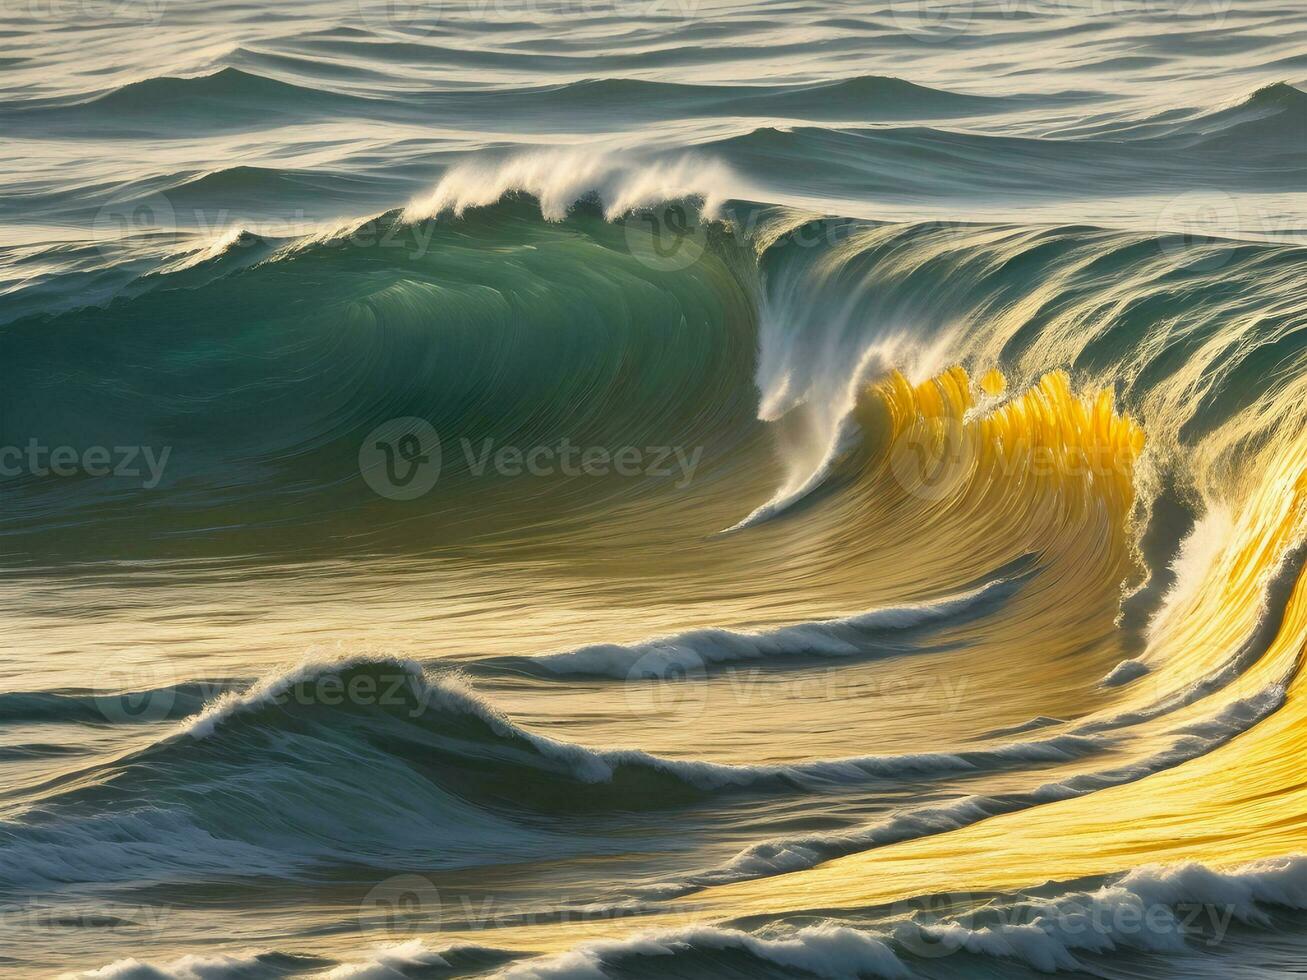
x,y
559,179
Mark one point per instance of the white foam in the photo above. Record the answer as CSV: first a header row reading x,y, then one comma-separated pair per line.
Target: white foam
x,y
843,637
824,951
1124,672
1197,555
192,967
1153,908
560,177
828,435
390,963
1137,910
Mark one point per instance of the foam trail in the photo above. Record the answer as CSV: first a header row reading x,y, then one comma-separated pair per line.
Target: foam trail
x,y
1140,910
824,951
691,651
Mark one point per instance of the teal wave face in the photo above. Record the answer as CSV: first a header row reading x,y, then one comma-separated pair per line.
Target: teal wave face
x,y
261,373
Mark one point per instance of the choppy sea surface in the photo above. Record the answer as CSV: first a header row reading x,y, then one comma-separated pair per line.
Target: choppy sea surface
x,y
622,489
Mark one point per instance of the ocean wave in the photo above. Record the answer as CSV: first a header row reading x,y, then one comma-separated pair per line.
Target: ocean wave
x,y
1156,908
823,951
447,699
783,331
1274,118
906,163
378,328
1055,928
860,97
1149,908
851,636
559,179
227,966
225,99
234,96
782,856
391,760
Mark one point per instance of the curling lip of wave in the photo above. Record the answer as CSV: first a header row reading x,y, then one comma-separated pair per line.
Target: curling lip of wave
x,y
691,650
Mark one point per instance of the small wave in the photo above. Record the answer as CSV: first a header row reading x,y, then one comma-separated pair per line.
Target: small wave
x,y
784,855
823,951
1276,113
1138,910
225,100
224,966
1148,909
862,97
390,759
846,637
448,698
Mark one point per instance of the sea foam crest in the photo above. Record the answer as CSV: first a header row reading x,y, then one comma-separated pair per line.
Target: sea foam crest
x,y
842,637
559,178
1139,909
823,950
